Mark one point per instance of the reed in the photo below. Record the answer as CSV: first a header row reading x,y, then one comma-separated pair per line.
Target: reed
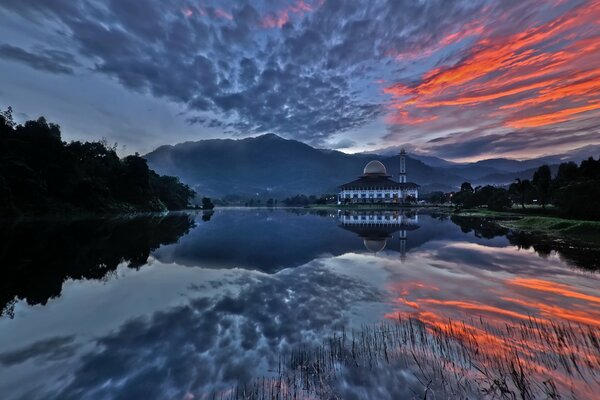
x,y
472,359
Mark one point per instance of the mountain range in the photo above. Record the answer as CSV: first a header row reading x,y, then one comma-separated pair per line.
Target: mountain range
x,y
271,166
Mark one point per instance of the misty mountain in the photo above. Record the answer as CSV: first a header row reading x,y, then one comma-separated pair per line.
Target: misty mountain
x,y
269,165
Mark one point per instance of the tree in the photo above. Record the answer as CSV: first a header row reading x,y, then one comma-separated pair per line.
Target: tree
x,y
521,188
207,204
577,189
542,179
567,172
41,174
466,187
499,200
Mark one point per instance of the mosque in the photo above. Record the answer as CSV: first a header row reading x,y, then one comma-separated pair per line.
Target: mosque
x,y
376,186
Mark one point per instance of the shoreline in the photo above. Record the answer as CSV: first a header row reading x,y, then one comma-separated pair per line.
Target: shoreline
x,y
544,223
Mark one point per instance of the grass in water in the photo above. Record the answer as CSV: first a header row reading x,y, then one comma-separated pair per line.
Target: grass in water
x,y
407,358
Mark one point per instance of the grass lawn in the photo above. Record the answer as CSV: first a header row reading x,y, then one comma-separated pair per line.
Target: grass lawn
x,y
530,220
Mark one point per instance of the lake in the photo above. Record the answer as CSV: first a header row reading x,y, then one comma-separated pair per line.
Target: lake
x,y
243,303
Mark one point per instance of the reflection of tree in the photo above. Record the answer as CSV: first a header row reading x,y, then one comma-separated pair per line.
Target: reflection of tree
x,y
482,228
36,258
207,215
575,253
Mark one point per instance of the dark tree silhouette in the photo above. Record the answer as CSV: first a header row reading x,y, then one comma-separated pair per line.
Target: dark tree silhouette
x,y
542,179
521,188
41,174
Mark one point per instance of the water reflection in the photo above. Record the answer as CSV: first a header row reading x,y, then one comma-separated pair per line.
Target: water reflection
x,y
222,296
38,256
377,228
576,253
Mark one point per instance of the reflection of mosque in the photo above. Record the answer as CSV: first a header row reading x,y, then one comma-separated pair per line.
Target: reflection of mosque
x,y
378,229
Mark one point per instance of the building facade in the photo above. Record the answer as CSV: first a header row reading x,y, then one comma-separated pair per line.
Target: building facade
x,y
376,186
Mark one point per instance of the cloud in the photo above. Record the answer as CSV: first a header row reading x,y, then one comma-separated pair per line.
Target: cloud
x,y
538,74
515,143
313,69
343,144
49,60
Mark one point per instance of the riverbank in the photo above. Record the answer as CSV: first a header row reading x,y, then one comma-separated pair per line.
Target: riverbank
x,y
377,207
529,220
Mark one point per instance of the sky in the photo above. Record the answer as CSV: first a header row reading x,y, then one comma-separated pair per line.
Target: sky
x,y
463,80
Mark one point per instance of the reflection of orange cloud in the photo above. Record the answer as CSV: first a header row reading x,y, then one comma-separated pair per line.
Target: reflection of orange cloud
x,y
475,307
546,66
552,287
556,312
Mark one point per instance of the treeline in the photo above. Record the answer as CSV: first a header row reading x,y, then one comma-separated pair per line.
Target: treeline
x,y
574,191
41,174
494,198
303,200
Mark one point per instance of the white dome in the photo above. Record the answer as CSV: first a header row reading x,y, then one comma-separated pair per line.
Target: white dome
x,y
375,168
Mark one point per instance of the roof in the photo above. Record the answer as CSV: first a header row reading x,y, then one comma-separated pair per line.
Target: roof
x,y
375,168
378,181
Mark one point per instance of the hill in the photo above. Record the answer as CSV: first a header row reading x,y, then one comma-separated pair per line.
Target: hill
x,y
269,165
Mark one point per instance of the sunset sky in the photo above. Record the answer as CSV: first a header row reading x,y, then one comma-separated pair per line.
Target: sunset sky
x,y
462,80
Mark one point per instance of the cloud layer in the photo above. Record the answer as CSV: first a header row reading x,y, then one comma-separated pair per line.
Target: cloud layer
x,y
457,79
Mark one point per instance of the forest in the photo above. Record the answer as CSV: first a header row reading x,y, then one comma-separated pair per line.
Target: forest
x,y
40,174
574,191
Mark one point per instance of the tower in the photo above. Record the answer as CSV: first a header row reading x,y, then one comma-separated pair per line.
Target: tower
x,y
402,176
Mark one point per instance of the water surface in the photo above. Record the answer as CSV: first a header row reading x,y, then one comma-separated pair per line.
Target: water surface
x,y
182,306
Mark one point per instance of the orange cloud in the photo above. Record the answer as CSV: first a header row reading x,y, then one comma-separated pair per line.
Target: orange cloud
x,y
540,76
281,17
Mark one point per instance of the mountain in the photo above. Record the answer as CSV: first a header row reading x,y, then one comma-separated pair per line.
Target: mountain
x,y
502,171
270,166
506,178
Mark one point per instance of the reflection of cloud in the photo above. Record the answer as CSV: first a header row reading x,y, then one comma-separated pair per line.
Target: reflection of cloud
x,y
468,281
47,350
212,344
554,288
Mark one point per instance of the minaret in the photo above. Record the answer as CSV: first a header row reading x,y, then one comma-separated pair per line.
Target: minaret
x,y
402,177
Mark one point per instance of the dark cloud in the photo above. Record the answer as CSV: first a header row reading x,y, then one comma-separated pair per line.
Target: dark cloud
x,y
465,144
49,60
297,81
